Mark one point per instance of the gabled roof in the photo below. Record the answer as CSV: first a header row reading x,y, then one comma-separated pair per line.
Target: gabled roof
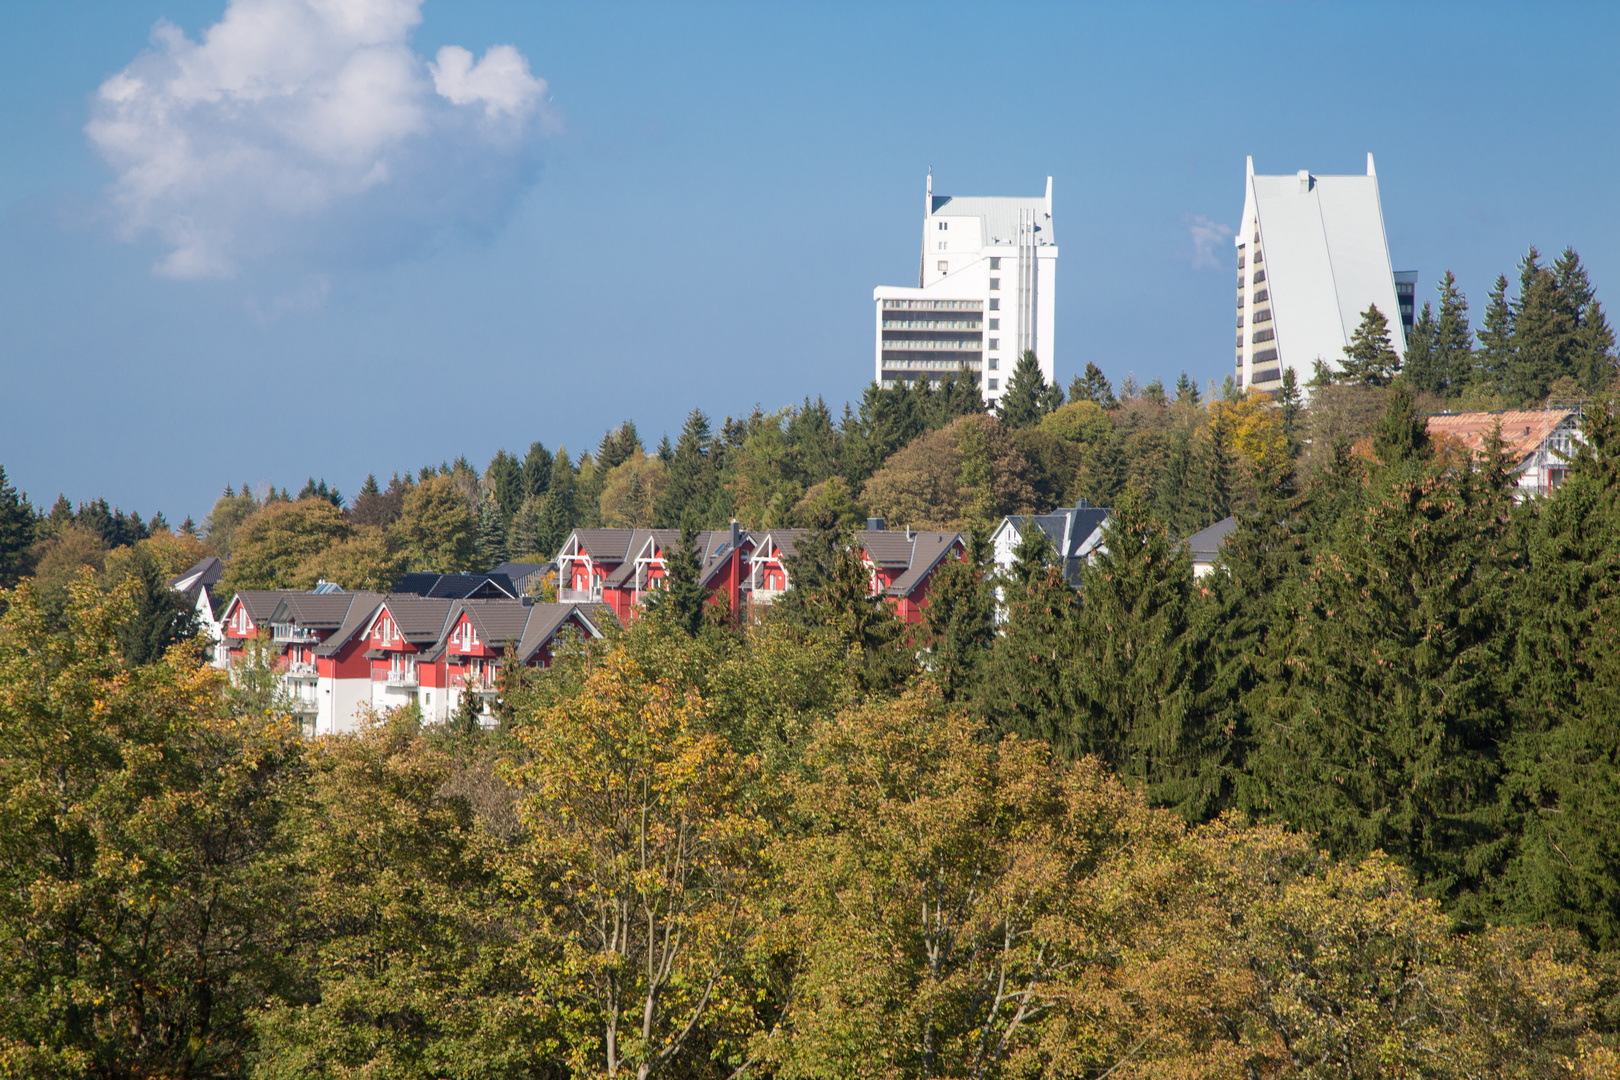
x,y
260,604
713,547
1075,533
456,586
362,606
199,577
545,620
888,548
927,549
496,621
420,620
607,545
313,611
1523,430
1205,544
783,540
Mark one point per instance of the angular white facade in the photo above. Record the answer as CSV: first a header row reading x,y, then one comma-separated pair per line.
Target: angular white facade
x,y
984,293
1311,256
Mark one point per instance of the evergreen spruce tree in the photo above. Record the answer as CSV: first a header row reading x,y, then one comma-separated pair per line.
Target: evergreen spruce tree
x,y
1595,360
832,596
504,479
162,616
1022,403
537,466
491,531
680,601
960,619
692,482
1387,731
189,528
1494,357
1028,682
527,535
1559,799
1370,359
1136,670
16,533
1544,332
1453,343
1290,406
1420,362
1174,501
1214,475
1093,386
1186,389
557,521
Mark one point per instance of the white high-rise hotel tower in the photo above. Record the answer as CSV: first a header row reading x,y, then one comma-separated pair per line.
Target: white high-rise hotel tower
x,y
983,295
1312,255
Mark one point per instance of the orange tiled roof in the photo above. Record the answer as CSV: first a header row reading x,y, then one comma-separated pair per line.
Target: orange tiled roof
x,y
1522,429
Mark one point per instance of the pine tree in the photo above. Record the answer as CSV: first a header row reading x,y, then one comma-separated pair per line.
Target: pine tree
x,y
960,620
1214,476
1494,357
1370,359
1021,405
558,519
680,601
1386,730
1186,389
1093,386
1402,435
1174,501
491,531
1562,684
1290,407
1027,686
1544,330
693,481
16,533
504,480
1453,343
1136,665
161,618
1595,363
537,467
1420,360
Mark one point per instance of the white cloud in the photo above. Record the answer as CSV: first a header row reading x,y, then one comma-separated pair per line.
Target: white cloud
x,y
311,127
1206,235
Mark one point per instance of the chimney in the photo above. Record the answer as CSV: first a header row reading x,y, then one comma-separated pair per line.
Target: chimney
x,y
874,524
909,537
736,534
1304,181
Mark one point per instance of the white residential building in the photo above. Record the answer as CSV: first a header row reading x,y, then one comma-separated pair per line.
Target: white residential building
x,y
984,293
1311,255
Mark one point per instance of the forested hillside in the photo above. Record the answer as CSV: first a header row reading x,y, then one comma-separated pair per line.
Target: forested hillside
x,y
1344,807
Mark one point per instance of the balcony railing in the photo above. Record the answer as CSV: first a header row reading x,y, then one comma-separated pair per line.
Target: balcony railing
x,y
480,683
766,596
580,596
291,632
401,678
301,668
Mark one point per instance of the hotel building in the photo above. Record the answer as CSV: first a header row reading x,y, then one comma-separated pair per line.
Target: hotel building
x,y
984,293
1311,256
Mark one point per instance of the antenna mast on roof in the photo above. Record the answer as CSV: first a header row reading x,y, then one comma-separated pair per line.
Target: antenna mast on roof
x,y
928,212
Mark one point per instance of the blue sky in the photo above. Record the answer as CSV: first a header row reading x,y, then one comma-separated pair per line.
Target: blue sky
x,y
694,208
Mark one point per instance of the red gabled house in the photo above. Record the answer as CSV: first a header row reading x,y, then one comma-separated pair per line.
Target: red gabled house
x,y
485,635
619,567
902,564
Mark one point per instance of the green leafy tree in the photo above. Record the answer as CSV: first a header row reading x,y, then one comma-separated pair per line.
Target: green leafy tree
x,y
141,882
229,511
271,545
436,530
365,560
1370,359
